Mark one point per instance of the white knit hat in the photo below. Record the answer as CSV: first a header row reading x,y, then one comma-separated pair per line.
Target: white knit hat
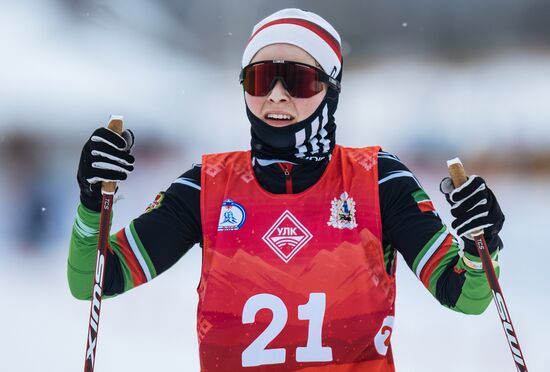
x,y
304,29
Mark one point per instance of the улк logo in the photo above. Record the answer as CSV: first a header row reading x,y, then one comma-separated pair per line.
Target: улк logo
x,y
232,216
342,212
287,236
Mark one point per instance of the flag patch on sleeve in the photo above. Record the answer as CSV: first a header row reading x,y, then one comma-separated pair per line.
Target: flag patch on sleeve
x,y
423,201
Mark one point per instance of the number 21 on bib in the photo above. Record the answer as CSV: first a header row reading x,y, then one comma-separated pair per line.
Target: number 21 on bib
x,y
257,353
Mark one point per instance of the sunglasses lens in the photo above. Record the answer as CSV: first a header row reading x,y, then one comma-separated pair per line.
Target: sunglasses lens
x,y
299,80
306,82
258,78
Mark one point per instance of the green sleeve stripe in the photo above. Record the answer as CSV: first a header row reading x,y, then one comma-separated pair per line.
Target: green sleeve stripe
x,y
150,267
420,196
84,230
471,257
389,255
126,248
126,271
428,250
83,248
88,217
137,253
476,292
82,253
442,266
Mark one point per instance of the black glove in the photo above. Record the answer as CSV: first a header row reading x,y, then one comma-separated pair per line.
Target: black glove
x,y
474,207
105,157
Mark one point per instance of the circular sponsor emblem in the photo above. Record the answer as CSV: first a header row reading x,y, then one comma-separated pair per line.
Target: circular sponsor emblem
x,y
232,216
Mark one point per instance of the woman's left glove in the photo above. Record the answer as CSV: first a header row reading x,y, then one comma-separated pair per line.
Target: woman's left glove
x,y
474,207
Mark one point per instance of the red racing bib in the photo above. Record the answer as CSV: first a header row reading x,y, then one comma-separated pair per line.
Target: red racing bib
x,y
294,281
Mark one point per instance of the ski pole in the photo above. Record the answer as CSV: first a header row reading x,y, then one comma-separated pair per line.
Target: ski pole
x,y
458,176
108,191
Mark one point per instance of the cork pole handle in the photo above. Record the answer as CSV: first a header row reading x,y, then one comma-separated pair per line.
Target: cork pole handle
x,y
457,172
116,125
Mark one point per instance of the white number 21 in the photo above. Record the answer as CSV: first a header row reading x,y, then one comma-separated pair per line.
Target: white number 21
x,y
256,353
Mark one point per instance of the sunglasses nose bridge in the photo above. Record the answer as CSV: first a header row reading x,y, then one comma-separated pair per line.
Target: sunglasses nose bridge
x,y
278,93
274,82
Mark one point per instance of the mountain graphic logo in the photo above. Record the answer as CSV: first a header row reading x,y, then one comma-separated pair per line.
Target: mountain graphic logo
x,y
287,236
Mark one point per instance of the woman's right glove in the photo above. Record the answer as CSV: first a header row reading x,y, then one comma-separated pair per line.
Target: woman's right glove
x,y
105,157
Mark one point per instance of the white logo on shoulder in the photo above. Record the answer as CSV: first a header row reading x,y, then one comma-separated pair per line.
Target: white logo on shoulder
x,y
342,212
232,216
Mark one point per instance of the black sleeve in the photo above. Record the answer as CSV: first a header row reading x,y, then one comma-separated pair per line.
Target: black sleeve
x,y
172,228
407,228
404,225
167,230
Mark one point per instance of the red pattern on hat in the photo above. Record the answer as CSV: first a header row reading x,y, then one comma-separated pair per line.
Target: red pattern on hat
x,y
321,32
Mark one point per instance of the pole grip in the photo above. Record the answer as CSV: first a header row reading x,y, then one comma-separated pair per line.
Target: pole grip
x,y
457,172
116,125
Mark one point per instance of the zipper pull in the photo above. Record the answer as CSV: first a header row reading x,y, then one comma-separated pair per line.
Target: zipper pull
x,y
287,168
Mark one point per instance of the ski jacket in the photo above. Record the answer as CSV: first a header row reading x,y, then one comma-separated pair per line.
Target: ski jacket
x,y
171,225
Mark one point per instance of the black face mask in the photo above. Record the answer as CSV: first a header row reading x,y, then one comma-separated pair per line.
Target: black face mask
x,y
308,141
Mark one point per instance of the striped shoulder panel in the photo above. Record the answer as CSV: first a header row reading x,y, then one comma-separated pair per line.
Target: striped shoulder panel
x,y
401,172
398,174
188,182
137,267
387,155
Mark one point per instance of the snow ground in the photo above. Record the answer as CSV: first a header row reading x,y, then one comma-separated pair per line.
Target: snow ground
x,y
153,327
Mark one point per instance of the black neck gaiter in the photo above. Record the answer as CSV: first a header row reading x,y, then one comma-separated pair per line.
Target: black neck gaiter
x,y
308,141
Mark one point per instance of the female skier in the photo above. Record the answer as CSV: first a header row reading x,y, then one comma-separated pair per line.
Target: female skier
x,y
299,235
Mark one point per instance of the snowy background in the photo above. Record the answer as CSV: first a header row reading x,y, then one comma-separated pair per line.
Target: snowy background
x,y
426,81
